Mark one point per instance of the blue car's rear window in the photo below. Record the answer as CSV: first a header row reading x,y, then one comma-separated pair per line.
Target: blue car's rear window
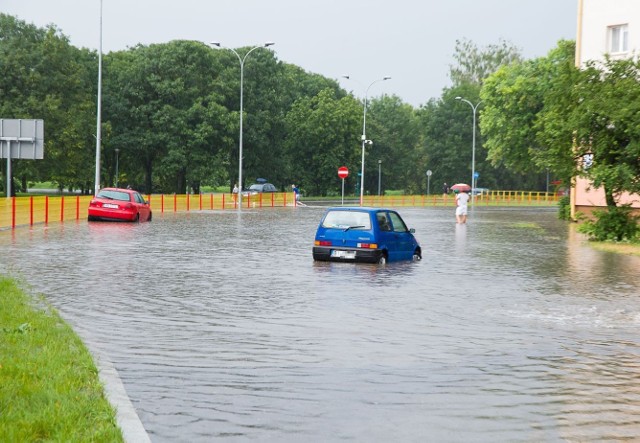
x,y
347,219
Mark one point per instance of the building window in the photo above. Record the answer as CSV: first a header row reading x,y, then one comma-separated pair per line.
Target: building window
x,y
618,39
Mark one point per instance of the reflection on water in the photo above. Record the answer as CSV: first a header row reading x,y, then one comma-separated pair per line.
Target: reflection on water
x,y
222,326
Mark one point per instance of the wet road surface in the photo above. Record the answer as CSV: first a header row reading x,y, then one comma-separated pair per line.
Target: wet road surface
x,y
222,327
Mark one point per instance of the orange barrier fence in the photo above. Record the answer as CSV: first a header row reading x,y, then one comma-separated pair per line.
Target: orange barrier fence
x,y
494,198
27,211
201,202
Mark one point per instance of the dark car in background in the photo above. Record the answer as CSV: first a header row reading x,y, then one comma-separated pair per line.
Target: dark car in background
x,y
116,204
260,188
370,235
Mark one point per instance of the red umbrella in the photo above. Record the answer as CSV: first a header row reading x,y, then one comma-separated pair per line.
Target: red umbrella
x,y
462,187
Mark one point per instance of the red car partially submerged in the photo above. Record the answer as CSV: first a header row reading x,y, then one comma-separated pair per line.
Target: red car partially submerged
x,y
118,204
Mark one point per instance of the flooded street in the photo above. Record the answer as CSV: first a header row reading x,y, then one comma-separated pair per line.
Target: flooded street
x,y
222,327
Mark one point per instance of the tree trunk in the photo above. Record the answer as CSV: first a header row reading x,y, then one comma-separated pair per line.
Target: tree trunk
x,y
148,169
611,202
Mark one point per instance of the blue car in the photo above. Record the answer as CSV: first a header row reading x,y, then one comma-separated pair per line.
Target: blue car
x,y
370,235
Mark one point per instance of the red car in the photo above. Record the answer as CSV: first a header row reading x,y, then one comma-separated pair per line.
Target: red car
x,y
119,205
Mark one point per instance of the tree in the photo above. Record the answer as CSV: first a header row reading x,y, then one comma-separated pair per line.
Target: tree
x,y
447,131
514,111
323,134
474,65
43,77
603,121
166,119
546,113
394,128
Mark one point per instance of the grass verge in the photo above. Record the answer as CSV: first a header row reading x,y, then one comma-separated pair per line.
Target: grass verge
x,y
49,385
619,248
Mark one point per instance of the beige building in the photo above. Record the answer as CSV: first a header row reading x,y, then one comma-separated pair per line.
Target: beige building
x,y
604,27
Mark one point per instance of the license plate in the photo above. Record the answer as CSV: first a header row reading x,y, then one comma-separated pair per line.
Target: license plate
x,y
110,206
343,254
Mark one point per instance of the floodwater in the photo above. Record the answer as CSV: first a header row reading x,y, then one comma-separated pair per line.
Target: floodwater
x,y
222,327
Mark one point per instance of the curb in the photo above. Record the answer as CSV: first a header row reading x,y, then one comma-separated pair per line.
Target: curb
x,y
126,415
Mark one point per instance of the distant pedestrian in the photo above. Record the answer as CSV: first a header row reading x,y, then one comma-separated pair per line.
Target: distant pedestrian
x,y
462,198
445,188
235,192
296,192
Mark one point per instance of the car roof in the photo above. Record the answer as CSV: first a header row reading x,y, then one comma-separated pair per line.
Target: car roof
x,y
358,208
119,190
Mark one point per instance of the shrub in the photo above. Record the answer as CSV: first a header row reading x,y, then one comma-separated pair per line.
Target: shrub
x,y
564,210
614,224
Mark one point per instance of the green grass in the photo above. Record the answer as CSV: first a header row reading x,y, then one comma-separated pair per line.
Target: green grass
x,y
43,185
527,225
49,385
618,248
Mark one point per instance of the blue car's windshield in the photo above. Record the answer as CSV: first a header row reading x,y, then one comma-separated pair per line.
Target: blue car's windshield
x,y
347,220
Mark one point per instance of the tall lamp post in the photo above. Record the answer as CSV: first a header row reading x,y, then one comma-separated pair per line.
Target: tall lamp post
x,y
473,144
117,152
379,175
241,60
99,110
364,132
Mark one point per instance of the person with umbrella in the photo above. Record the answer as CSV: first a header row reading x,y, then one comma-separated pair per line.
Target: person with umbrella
x,y
462,199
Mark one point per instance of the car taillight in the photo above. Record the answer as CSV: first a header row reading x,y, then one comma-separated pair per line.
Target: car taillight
x,y
367,245
323,243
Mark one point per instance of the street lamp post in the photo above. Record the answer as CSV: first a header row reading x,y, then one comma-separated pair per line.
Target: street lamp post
x,y
379,175
241,60
473,144
364,136
117,152
99,111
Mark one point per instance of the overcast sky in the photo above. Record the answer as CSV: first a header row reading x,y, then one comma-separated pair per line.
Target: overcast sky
x,y
410,40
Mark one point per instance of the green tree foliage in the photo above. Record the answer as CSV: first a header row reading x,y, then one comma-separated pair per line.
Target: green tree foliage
x,y
447,128
513,104
43,77
604,120
394,128
323,134
473,64
166,120
546,113
448,123
172,112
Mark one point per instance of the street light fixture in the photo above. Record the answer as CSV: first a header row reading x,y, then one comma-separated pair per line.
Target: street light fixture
x,y
364,136
241,60
473,144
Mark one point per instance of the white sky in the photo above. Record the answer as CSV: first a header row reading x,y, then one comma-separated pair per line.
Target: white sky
x,y
410,40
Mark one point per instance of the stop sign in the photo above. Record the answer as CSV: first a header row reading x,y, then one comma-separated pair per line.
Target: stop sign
x,y
343,172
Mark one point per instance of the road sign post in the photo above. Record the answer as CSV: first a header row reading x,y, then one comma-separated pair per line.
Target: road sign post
x,y
343,173
24,140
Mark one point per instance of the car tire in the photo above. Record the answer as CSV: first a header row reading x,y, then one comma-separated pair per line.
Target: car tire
x,y
150,216
91,218
416,256
382,260
137,219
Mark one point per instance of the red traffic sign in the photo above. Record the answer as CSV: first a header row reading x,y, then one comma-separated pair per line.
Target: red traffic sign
x,y
343,172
